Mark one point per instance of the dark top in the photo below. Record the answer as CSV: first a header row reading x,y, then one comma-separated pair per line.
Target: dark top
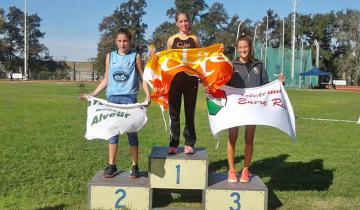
x,y
247,75
183,44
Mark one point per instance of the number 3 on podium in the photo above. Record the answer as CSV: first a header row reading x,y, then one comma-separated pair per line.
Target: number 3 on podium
x,y
236,196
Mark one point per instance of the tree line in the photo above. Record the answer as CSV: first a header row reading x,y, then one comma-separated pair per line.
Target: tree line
x,y
338,34
12,43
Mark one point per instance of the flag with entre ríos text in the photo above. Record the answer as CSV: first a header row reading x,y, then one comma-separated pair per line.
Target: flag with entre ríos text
x,y
105,119
265,105
209,64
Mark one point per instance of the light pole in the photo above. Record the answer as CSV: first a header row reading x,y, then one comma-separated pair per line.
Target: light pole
x,y
25,43
237,36
301,60
293,41
266,37
317,53
283,46
261,51
256,26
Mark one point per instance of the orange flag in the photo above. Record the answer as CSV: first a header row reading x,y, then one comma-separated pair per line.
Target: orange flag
x,y
209,64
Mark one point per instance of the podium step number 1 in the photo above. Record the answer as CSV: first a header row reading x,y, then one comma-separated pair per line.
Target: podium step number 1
x,y
178,171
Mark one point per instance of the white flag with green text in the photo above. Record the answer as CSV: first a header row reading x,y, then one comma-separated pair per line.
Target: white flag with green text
x,y
105,119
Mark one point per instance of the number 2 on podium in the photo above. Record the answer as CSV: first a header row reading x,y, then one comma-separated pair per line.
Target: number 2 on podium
x,y
122,196
178,174
236,201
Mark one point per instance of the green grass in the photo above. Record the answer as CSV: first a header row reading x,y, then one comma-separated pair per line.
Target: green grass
x,y
46,163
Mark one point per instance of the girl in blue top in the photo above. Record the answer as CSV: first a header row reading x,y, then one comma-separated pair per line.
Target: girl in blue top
x,y
124,70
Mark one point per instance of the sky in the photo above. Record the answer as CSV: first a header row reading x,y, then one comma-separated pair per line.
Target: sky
x,y
71,26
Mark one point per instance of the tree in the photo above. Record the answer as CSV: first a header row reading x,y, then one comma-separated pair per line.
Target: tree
x,y
162,33
228,34
274,32
12,50
2,30
212,24
347,33
228,37
36,51
128,15
2,20
193,8
323,32
338,33
12,39
167,29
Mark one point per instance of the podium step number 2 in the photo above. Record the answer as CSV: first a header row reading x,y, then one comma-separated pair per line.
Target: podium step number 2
x,y
119,192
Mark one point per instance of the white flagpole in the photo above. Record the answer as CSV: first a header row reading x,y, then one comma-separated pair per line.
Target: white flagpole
x,y
254,41
283,46
237,36
293,41
317,53
266,37
301,60
25,43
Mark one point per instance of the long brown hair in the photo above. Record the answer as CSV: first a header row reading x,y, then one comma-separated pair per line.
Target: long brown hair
x,y
250,43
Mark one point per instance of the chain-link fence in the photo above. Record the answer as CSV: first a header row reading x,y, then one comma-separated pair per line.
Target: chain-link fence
x,y
72,71
278,62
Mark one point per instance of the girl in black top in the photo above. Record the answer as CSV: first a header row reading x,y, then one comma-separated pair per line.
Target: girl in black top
x,y
248,73
182,84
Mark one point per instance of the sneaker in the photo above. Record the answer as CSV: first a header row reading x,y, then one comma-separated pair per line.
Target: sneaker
x,y
172,150
110,171
245,176
232,176
134,172
188,150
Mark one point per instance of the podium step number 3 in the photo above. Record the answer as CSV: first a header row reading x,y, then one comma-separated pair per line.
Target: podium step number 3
x,y
235,196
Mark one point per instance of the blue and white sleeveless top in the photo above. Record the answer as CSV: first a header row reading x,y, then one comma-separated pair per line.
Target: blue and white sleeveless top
x,y
123,77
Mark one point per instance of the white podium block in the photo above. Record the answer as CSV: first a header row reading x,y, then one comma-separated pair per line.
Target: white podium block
x,y
221,194
180,171
119,192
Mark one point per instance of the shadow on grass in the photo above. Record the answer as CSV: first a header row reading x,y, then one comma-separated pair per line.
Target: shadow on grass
x,y
57,207
294,176
221,164
286,176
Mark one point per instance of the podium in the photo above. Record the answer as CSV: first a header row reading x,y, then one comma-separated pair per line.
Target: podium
x,y
119,192
180,171
251,195
176,172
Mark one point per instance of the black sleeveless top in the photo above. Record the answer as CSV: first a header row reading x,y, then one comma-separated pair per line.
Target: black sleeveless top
x,y
183,44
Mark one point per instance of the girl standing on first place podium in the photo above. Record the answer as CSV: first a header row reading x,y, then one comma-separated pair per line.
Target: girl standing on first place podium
x,y
182,84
